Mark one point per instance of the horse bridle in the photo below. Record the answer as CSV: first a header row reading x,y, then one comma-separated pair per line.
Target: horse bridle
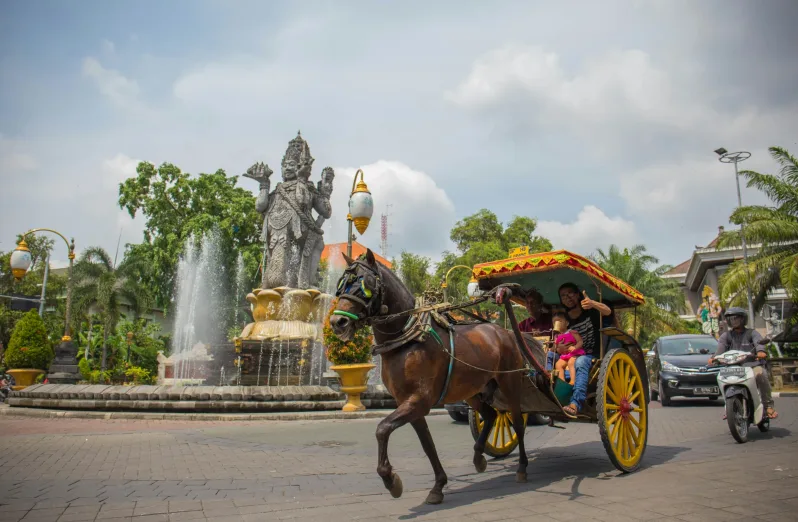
x,y
351,284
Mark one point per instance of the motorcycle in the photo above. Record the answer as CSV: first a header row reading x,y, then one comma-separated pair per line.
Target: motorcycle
x,y
744,404
6,386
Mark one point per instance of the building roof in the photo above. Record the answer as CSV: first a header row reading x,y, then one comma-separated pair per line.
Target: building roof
x,y
357,250
680,269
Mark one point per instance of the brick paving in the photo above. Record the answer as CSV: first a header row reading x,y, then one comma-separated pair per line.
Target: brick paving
x,y
68,469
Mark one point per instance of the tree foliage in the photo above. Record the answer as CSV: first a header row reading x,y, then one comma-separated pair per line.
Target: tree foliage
x,y
481,237
664,299
176,206
29,346
773,227
414,272
100,287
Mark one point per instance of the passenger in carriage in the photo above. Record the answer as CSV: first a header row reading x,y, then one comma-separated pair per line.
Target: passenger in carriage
x,y
539,321
569,346
585,316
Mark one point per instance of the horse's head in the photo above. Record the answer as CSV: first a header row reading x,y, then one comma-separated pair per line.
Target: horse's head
x,y
360,295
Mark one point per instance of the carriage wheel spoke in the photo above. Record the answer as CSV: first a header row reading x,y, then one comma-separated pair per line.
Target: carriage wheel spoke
x,y
496,428
631,388
614,417
634,396
631,442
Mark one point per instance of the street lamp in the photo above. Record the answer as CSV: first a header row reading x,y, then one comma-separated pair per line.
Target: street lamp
x,y
361,208
737,157
445,283
473,289
64,368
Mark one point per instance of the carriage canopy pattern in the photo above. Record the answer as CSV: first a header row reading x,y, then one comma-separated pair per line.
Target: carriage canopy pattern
x,y
528,271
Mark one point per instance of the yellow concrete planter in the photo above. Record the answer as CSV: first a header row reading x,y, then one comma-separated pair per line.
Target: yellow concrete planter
x,y
353,383
25,377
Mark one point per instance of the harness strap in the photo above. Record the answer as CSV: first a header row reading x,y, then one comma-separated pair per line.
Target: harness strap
x,y
451,366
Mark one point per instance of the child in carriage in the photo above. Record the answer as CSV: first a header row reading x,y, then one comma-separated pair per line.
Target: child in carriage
x,y
569,346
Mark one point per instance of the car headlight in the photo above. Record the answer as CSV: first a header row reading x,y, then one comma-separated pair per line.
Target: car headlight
x,y
668,367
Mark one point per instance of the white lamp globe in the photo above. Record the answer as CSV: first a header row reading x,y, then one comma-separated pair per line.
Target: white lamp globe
x,y
20,260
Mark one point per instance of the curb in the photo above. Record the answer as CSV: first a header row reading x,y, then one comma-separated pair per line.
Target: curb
x,y
287,416
785,394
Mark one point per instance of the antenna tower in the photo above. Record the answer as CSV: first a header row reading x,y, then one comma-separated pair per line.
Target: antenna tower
x,y
384,233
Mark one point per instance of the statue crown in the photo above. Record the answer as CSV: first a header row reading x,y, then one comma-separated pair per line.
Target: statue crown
x,y
298,151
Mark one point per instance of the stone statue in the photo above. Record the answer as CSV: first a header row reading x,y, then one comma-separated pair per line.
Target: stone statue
x,y
293,238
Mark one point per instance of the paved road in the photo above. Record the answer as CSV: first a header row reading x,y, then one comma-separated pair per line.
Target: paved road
x,y
80,470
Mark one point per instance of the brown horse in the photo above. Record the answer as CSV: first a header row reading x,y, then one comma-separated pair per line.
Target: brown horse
x,y
415,373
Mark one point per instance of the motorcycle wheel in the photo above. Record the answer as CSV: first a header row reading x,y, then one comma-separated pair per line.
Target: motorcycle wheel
x,y
764,426
737,420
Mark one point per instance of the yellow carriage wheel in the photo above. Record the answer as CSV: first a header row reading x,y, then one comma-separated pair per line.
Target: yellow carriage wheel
x,y
502,439
622,410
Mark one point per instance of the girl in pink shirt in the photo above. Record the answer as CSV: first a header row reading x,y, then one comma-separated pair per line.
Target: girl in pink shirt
x,y
569,346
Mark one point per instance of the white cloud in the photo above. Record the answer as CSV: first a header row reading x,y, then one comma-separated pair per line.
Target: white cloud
x,y
120,90
420,216
592,229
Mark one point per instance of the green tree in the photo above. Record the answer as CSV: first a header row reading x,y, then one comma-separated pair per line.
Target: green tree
x,y
100,286
773,227
29,346
176,206
414,271
481,237
664,299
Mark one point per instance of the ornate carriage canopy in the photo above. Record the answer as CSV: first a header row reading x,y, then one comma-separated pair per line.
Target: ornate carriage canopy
x,y
548,270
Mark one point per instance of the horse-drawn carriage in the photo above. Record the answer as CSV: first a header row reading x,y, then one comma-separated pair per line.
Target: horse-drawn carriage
x,y
617,395
431,358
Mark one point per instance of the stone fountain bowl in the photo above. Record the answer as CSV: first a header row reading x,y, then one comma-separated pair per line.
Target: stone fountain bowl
x,y
296,306
265,304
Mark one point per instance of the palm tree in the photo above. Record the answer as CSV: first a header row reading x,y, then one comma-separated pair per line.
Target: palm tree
x,y
664,298
775,228
102,286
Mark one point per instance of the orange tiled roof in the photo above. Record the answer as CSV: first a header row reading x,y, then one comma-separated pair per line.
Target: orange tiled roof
x,y
357,250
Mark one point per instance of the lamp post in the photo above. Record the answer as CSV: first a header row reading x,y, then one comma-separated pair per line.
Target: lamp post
x,y
445,283
737,157
64,368
361,208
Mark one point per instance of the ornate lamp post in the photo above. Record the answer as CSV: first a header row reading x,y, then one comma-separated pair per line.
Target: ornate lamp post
x,y
473,289
445,283
361,208
64,368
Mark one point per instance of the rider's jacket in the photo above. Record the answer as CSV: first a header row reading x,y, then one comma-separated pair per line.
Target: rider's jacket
x,y
744,340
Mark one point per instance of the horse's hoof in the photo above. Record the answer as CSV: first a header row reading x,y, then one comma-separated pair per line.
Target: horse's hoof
x,y
520,477
480,463
396,488
434,497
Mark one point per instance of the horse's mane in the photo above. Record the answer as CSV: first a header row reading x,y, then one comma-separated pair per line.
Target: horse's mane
x,y
396,285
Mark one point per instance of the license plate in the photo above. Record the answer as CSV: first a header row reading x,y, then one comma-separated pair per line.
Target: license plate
x,y
733,370
706,391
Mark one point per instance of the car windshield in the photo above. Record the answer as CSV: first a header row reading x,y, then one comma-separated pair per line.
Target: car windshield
x,y
688,346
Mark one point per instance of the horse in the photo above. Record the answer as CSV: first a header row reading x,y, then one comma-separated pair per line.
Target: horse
x,y
418,374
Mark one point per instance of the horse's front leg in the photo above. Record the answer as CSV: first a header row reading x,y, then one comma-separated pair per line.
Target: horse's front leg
x,y
422,430
406,412
520,427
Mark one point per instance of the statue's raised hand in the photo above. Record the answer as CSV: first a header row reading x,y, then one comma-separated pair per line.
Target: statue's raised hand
x,y
326,184
259,172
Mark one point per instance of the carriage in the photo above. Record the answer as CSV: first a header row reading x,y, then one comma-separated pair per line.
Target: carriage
x,y
617,395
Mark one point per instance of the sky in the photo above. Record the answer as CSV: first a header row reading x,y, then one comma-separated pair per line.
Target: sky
x,y
599,119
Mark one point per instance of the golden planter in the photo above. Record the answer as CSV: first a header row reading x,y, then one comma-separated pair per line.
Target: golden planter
x,y
353,383
24,377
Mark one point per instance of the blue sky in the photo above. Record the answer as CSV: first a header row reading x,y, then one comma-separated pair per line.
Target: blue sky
x,y
598,120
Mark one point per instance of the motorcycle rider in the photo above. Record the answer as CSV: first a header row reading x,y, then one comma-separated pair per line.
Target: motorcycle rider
x,y
738,337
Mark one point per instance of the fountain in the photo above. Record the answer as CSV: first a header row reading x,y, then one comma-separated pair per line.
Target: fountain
x,y
277,362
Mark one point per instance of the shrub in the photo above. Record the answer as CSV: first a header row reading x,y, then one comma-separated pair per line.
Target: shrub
x,y
356,351
29,346
138,375
85,369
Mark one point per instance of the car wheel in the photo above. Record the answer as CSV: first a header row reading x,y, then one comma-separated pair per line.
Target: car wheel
x,y
663,396
458,417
